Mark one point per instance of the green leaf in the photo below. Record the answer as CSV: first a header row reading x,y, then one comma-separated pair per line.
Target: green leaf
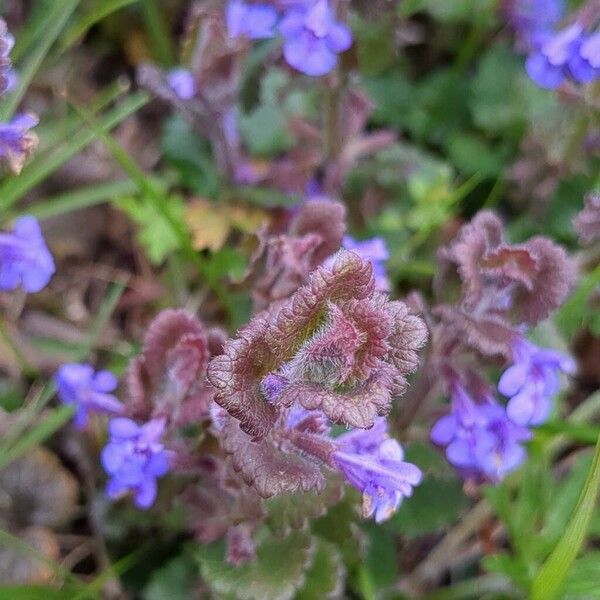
x,y
375,45
583,581
472,154
293,511
155,232
191,156
276,574
382,559
550,579
340,527
264,130
173,581
435,504
574,312
37,592
325,577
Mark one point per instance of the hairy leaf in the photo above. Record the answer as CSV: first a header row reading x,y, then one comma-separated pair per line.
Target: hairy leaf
x,y
264,466
294,511
277,573
325,577
168,379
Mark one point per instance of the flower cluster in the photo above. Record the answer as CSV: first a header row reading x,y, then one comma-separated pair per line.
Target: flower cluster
x,y
562,55
337,350
480,440
24,257
78,385
483,439
312,36
503,288
532,380
135,458
555,55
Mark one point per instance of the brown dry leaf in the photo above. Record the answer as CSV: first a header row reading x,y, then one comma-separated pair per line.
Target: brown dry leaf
x,y
209,225
247,219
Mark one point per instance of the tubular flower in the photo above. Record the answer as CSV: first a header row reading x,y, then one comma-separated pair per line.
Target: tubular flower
x,y
568,53
24,257
480,440
88,391
256,21
531,382
17,142
373,463
182,82
134,458
313,38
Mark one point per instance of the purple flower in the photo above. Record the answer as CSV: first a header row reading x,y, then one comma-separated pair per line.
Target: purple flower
x,y
17,142
480,440
373,463
376,252
531,382
134,458
89,391
182,82
313,38
24,257
530,18
272,385
585,65
256,21
567,53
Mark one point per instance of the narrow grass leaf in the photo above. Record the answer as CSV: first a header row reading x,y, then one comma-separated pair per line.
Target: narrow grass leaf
x,y
550,578
38,434
56,19
15,188
100,10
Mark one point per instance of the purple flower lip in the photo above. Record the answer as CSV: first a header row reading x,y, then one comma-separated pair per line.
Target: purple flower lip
x,y
313,38
134,457
480,439
373,463
88,391
24,257
182,82
531,382
17,142
565,54
256,21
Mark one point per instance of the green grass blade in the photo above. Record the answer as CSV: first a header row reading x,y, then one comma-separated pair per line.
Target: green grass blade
x,y
109,303
16,187
55,21
53,132
157,32
550,578
78,199
41,432
8,540
101,10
